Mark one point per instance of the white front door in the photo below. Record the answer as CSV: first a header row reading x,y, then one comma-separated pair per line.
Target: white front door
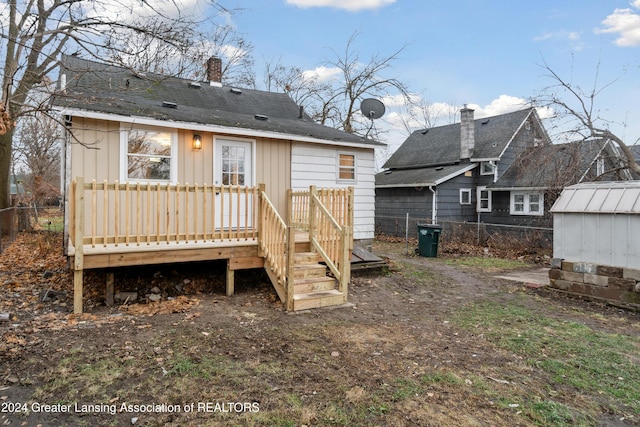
x,y
233,167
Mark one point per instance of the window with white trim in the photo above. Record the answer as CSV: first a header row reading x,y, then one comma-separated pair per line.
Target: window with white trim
x,y
527,203
486,168
484,199
465,196
148,155
346,167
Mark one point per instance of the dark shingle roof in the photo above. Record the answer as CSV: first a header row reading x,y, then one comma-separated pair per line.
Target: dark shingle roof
x,y
104,88
552,165
420,177
441,145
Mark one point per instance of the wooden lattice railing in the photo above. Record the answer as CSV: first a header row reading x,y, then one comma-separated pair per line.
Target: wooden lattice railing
x,y
136,213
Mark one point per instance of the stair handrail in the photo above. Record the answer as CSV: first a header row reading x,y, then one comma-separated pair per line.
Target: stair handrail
x,y
273,238
329,239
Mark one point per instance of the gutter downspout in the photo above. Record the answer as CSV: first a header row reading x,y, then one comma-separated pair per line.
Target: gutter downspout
x,y
434,205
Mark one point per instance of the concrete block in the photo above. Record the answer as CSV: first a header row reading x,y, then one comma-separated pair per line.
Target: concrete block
x,y
560,284
624,284
594,279
580,288
631,273
555,274
630,297
585,267
556,263
605,270
607,293
566,266
572,277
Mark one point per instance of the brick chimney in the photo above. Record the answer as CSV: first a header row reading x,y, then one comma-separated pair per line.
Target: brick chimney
x,y
467,137
214,71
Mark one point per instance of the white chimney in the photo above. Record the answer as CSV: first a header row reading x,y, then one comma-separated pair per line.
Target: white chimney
x,y
467,141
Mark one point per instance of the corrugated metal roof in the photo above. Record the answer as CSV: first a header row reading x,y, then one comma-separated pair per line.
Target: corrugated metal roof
x,y
620,197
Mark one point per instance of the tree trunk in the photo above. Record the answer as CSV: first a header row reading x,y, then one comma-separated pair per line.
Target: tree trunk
x,y
5,165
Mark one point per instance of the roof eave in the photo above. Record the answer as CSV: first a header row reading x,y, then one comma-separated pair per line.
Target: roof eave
x,y
211,128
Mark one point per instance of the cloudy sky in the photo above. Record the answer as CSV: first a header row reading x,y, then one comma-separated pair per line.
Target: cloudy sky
x,y
487,54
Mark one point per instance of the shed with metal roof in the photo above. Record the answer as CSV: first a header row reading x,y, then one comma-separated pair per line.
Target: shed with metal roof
x,y
598,223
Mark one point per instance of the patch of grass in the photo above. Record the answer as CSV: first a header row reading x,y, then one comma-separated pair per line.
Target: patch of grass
x,y
599,365
420,275
487,263
441,378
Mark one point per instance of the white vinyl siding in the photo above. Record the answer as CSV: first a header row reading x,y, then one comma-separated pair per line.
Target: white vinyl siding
x,y
313,164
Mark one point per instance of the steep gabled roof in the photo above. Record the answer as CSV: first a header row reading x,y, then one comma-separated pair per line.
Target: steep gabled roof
x,y
557,165
97,87
441,145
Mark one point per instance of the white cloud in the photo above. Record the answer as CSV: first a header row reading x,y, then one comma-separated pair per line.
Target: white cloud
x,y
323,73
625,23
350,5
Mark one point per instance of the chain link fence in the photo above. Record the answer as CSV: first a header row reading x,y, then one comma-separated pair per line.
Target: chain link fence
x,y
482,234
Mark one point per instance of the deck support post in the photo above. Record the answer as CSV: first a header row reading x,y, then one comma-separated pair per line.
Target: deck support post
x,y
78,259
109,293
230,279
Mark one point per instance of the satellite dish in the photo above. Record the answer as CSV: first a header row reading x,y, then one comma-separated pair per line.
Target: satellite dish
x,y
372,108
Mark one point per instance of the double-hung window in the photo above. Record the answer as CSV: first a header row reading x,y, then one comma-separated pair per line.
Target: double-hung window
x,y
484,199
346,167
465,196
148,155
523,203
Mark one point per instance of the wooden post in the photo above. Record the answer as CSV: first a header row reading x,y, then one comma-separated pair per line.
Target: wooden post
x,y
345,263
261,219
78,259
350,207
109,292
290,234
230,279
312,213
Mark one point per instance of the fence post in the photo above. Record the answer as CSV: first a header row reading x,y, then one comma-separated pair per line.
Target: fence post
x,y
345,262
290,235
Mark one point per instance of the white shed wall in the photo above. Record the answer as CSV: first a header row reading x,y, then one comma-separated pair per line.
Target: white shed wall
x,y
605,239
317,165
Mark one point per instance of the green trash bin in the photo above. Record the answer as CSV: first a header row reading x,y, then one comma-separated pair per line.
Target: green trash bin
x,y
428,237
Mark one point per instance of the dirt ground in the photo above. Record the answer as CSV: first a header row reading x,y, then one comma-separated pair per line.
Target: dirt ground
x,y
319,367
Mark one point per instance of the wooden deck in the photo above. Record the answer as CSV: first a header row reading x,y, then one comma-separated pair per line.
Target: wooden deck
x,y
116,225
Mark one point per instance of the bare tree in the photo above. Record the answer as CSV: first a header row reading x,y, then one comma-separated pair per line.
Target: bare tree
x,y
140,51
577,106
37,146
336,101
35,32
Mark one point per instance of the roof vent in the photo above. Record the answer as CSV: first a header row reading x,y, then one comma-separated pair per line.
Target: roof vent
x,y
140,75
387,172
261,117
484,122
235,90
439,168
169,104
195,84
424,132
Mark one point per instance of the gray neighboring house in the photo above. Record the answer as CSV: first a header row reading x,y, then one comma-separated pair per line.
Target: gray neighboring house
x,y
497,170
444,173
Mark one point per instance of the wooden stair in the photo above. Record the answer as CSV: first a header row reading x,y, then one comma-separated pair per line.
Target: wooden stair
x,y
313,287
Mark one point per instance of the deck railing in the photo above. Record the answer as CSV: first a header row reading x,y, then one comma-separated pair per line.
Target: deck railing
x,y
137,213
330,239
338,201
